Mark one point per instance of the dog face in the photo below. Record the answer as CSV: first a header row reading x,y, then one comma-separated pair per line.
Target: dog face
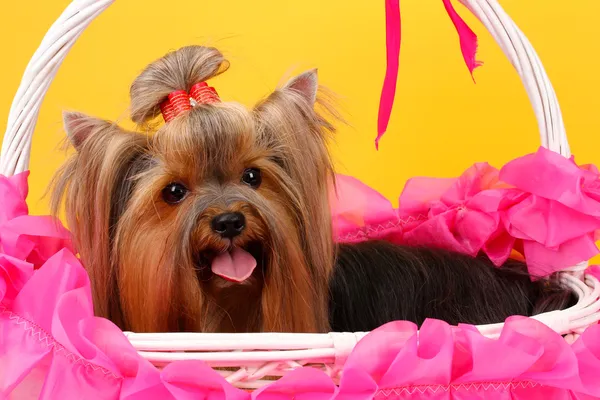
x,y
219,192
216,222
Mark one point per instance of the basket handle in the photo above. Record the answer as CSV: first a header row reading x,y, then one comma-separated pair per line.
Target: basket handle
x,y
42,68
525,60
62,35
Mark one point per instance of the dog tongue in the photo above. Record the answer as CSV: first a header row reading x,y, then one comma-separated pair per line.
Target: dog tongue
x,y
236,265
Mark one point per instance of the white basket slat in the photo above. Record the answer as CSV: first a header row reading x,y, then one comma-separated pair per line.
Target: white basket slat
x,y
234,341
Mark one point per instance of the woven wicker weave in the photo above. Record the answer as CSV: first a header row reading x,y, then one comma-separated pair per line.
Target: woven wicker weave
x,y
250,360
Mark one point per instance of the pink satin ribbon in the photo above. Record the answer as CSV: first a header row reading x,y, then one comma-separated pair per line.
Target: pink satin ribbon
x,y
466,36
393,35
468,46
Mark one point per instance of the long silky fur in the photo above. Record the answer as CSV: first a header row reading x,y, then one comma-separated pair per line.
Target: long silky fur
x,y
377,282
94,185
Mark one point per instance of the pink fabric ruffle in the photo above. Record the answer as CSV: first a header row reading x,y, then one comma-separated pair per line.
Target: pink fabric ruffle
x,y
31,238
528,361
542,205
556,210
359,212
52,346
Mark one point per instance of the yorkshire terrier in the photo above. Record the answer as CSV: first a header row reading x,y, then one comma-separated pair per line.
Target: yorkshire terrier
x,y
218,220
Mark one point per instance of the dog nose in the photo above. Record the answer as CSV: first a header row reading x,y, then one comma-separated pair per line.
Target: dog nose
x,y
229,225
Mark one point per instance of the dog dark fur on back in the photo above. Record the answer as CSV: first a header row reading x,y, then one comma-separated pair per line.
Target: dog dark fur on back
x,y
218,221
377,282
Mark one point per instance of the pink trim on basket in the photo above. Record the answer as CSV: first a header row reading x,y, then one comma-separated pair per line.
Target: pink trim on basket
x,y
56,301
466,387
542,205
47,340
378,230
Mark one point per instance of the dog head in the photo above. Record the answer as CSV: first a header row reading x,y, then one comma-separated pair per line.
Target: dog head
x,y
215,221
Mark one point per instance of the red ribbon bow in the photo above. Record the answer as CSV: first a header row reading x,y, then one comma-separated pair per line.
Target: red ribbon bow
x,y
181,101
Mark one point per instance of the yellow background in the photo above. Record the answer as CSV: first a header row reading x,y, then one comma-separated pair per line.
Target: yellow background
x,y
441,124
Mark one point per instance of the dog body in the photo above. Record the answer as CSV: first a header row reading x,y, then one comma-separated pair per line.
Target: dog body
x,y
377,282
218,220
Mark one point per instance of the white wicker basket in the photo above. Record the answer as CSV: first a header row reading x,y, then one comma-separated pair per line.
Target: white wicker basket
x,y
247,359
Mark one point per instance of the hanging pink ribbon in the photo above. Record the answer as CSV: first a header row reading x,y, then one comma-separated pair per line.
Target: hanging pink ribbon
x,y
468,38
392,38
468,46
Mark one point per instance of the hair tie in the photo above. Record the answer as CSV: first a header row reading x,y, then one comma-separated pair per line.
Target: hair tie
x,y
181,101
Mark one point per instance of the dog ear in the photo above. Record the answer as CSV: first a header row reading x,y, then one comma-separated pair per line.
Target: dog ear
x,y
80,127
305,84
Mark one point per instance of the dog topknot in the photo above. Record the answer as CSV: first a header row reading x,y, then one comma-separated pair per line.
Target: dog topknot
x,y
178,70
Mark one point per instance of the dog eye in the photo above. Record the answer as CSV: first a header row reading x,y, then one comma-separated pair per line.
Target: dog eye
x,y
252,178
174,192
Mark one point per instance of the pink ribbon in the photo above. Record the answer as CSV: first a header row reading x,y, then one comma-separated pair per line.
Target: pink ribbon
x,y
393,35
468,46
466,36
